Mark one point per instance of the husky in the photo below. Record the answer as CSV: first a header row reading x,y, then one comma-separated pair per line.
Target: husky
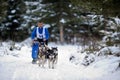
x,y
42,55
52,57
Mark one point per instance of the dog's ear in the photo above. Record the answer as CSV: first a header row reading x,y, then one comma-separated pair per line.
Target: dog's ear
x,y
55,48
48,50
52,48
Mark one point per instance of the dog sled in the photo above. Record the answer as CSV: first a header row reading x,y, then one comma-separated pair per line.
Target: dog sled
x,y
42,53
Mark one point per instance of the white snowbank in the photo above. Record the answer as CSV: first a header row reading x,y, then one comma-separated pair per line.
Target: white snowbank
x,y
110,50
20,68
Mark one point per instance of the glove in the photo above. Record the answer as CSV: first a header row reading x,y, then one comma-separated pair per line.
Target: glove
x,y
44,40
33,41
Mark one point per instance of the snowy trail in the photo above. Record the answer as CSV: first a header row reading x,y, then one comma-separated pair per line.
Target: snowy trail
x,y
20,67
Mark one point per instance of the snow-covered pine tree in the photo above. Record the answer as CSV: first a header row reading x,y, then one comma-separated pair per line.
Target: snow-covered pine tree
x,y
14,18
57,14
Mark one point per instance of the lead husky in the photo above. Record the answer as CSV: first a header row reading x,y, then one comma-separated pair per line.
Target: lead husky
x,y
42,55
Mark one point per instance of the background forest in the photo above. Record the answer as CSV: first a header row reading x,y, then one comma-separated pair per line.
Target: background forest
x,y
68,21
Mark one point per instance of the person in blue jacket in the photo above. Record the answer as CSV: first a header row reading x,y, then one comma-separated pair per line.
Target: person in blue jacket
x,y
40,34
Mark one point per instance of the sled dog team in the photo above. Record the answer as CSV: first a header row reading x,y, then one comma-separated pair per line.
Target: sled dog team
x,y
46,54
40,50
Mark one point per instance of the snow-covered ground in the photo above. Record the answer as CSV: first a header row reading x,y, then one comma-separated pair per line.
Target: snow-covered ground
x,y
16,65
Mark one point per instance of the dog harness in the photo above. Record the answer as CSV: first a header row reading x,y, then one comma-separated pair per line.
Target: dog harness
x,y
40,35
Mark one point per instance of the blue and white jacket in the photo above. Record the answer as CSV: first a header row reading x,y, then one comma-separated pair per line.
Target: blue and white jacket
x,y
41,33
